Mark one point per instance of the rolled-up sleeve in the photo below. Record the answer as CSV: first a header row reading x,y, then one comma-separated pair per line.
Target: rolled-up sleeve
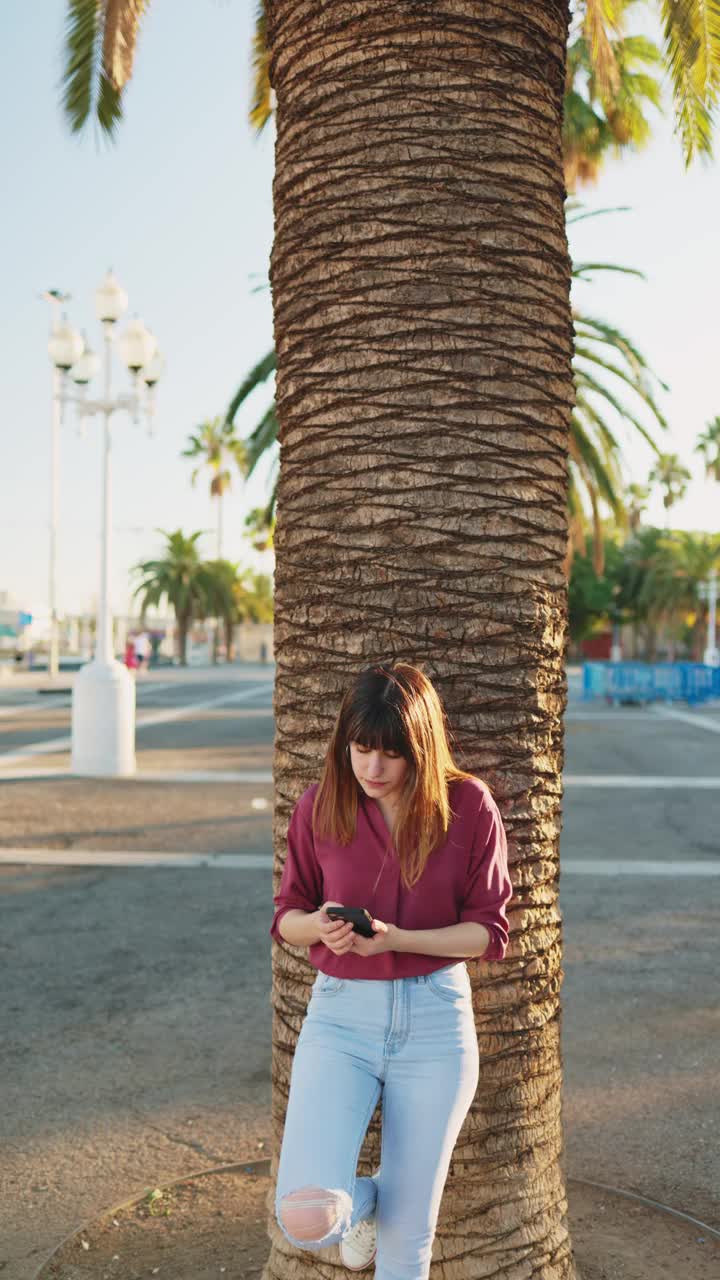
x,y
301,881
488,887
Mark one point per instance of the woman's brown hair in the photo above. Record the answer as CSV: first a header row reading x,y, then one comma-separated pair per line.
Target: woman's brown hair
x,y
391,706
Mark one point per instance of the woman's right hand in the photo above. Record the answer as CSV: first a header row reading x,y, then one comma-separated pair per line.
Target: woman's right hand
x,y
336,935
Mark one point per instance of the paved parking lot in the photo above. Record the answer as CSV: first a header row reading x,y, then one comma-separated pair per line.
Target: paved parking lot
x,y
136,1041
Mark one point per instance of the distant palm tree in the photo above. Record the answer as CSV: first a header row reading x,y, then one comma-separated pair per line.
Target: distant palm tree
x,y
708,444
237,596
669,591
684,561
254,598
181,578
671,475
217,447
636,496
223,576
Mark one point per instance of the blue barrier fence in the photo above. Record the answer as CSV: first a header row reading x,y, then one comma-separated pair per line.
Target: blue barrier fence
x,y
691,682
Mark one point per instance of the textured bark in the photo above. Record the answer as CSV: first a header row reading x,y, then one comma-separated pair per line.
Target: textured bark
x,y
420,280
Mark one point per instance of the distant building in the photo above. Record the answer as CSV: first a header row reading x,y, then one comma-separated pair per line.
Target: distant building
x,y
16,622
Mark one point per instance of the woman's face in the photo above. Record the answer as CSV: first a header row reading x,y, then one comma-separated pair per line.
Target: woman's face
x,y
380,773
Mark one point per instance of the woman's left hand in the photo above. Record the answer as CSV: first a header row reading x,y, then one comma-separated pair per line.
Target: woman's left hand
x,y
386,937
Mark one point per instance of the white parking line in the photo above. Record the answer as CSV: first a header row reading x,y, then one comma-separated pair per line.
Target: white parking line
x,y
49,746
29,708
608,781
687,717
205,775
152,686
615,781
637,716
191,708
258,862
635,867
143,858
159,775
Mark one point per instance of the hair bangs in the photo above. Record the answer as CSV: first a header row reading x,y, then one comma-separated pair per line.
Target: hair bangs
x,y
378,728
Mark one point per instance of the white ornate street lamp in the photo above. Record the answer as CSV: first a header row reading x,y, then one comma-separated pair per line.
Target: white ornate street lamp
x,y
103,707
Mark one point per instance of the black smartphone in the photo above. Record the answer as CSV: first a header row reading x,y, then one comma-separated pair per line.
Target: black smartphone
x,y
360,918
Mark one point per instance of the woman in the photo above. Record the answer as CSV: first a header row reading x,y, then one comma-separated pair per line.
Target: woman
x,y
395,827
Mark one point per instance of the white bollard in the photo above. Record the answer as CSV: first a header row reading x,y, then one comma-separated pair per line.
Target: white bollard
x,y
103,721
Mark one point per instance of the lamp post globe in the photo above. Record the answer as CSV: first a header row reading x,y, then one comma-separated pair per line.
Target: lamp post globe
x,y
111,300
151,373
154,369
65,346
85,369
137,346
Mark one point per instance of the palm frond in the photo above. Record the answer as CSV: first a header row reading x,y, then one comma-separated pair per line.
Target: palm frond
x,y
585,379
580,268
573,204
608,439
109,106
611,80
585,467
120,33
577,522
82,57
194,447
257,375
601,332
262,438
269,515
100,42
599,16
691,31
636,384
708,444
600,472
261,106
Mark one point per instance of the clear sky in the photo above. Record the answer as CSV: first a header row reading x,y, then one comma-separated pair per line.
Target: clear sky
x,y
181,208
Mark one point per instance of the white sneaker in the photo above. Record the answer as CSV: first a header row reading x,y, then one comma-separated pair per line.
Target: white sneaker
x,y
359,1246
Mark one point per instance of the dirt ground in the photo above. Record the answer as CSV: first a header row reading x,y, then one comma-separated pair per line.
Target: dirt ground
x,y
215,1224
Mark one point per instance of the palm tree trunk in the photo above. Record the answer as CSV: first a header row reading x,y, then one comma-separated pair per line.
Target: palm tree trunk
x,y
182,624
229,624
420,280
215,624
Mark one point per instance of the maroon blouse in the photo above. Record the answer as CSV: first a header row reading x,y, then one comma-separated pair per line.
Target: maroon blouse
x,y
466,878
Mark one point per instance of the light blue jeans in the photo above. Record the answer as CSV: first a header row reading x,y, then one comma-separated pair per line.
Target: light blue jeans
x,y
413,1040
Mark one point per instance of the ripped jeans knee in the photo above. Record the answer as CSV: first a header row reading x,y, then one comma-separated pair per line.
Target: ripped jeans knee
x,y
314,1217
